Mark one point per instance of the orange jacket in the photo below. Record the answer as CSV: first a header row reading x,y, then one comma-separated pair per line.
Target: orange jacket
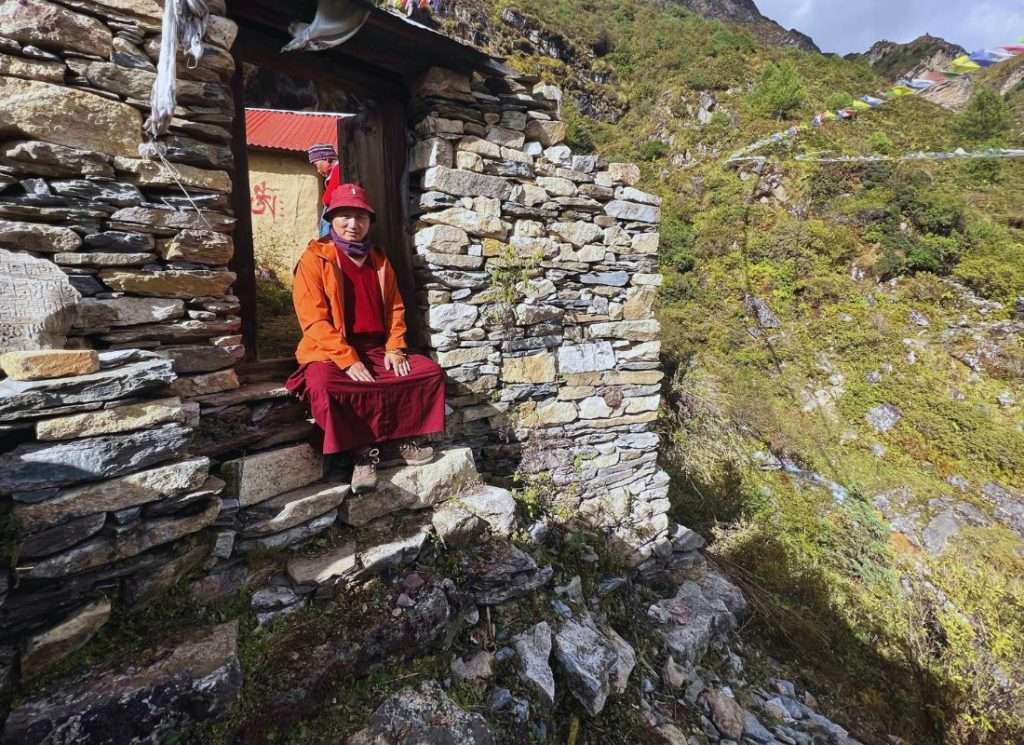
x,y
320,307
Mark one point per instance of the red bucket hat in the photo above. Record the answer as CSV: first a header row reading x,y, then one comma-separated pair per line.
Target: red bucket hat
x,y
349,195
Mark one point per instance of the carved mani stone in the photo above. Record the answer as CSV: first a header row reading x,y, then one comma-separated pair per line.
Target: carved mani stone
x,y
37,303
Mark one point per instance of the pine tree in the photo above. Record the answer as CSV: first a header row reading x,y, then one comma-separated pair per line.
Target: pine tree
x,y
778,91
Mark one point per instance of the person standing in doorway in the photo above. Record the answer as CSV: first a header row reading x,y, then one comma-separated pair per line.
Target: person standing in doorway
x,y
325,160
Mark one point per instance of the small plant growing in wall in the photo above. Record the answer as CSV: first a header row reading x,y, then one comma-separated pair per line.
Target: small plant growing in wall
x,y
510,271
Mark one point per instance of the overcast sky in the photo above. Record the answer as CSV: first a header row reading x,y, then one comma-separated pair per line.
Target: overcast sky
x,y
854,25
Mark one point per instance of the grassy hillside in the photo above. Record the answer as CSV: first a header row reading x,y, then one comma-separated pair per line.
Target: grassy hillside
x,y
798,300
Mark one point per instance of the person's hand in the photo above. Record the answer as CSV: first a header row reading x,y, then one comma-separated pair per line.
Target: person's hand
x,y
398,362
358,372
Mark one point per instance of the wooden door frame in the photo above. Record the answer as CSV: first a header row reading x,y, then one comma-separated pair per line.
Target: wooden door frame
x,y
373,149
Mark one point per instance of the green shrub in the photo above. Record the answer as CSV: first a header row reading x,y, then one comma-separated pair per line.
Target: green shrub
x,y
838,100
879,142
987,116
937,212
578,128
653,150
934,253
779,91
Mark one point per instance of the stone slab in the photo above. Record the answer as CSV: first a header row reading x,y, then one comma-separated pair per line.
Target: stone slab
x,y
47,648
113,495
45,364
113,420
259,477
293,508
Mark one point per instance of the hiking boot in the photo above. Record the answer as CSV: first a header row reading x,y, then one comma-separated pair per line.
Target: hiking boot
x,y
364,474
408,453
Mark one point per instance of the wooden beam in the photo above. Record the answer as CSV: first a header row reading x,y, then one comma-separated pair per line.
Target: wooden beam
x,y
243,262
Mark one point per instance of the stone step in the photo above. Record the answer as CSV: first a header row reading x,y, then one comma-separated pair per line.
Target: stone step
x,y
292,508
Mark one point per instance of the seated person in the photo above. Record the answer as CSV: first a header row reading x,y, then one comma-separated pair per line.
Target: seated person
x,y
367,395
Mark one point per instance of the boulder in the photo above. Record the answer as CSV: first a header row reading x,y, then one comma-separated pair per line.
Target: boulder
x,y
193,679
413,487
588,663
424,715
68,116
500,572
24,399
114,495
534,649
42,466
461,519
48,647
45,364
698,614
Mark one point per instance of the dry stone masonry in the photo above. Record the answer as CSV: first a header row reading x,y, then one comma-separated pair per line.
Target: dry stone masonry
x,y
135,453
538,277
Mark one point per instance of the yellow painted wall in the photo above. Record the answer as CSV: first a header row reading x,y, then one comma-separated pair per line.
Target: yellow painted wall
x,y
284,193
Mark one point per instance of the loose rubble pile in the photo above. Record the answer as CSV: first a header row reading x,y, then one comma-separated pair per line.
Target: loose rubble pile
x,y
538,274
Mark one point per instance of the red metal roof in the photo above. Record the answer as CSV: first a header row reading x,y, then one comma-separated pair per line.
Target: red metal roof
x,y
290,130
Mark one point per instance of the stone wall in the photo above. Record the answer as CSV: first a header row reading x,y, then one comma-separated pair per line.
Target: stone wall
x,y
132,452
538,276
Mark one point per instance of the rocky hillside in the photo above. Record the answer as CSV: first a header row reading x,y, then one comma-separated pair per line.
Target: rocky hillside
x,y
894,61
746,14
845,425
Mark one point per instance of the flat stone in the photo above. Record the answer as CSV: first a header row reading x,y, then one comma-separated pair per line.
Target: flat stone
x,y
32,236
584,358
43,650
172,283
287,538
174,331
155,173
292,508
612,279
259,477
189,386
630,194
49,159
116,494
465,183
31,467
95,313
49,363
201,358
413,487
54,27
44,70
100,259
452,317
625,659
102,550
120,241
391,554
441,239
626,173
548,133
18,398
135,83
339,562
107,192
559,187
59,538
146,700
150,587
533,647
458,357
199,247
164,221
578,233
113,420
470,221
536,368
424,715
632,212
648,330
429,153
69,116
587,663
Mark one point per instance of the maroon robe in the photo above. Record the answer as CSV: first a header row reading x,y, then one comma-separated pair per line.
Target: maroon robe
x,y
352,414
